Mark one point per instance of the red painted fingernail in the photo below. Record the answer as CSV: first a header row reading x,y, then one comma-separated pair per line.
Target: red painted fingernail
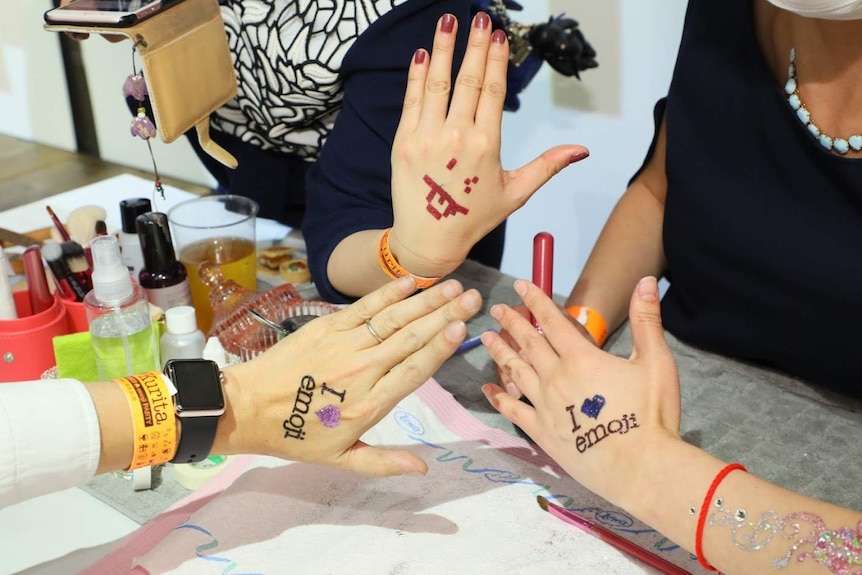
x,y
481,21
498,37
578,156
448,24
419,56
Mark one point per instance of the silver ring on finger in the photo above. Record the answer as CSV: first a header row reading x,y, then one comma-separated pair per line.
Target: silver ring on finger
x,y
372,331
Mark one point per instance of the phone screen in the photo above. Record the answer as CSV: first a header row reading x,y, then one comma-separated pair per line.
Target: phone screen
x,y
109,5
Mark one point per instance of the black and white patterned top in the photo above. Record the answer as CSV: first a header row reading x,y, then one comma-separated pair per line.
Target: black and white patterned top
x,y
288,55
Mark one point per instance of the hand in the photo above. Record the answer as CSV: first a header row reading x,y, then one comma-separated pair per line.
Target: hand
x,y
312,395
503,378
596,414
448,187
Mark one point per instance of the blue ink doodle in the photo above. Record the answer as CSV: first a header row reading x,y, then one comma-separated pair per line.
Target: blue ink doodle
x,y
199,550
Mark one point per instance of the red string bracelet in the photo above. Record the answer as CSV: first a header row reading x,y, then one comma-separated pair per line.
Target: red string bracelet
x,y
701,520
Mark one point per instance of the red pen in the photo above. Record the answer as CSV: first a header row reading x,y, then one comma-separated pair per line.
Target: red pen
x,y
543,265
611,538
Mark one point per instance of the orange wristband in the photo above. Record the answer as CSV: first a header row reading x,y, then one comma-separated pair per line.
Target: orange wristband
x,y
153,416
393,269
592,320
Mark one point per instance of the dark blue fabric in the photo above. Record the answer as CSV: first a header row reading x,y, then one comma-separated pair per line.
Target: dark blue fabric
x,y
348,186
762,226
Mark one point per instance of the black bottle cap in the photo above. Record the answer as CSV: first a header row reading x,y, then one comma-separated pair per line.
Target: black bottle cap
x,y
131,209
156,245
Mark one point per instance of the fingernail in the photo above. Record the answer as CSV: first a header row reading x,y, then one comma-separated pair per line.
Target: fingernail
x,y
513,390
456,331
496,311
520,287
472,301
481,21
448,24
648,289
578,156
406,283
498,37
419,56
451,289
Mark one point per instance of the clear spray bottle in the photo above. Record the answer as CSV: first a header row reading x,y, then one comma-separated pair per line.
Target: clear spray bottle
x,y
120,325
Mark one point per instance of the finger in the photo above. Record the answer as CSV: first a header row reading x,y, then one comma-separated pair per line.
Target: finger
x,y
520,374
556,327
645,320
514,410
407,375
502,375
393,318
414,95
531,342
529,178
438,84
369,460
489,112
373,303
468,84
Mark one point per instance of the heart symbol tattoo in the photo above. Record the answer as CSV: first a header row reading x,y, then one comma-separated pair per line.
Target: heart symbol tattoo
x,y
592,406
330,416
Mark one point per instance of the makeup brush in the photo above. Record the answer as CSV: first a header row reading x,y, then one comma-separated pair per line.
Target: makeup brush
x,y
68,281
76,259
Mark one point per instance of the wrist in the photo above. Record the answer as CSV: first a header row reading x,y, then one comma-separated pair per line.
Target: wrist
x,y
418,263
232,432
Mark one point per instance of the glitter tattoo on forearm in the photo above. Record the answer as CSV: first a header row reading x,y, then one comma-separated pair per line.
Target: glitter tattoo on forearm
x,y
840,551
329,416
591,407
441,197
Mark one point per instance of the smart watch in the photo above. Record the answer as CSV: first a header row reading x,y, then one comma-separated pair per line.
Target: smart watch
x,y
199,403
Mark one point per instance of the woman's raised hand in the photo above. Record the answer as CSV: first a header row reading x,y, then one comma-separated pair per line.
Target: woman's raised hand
x,y
448,187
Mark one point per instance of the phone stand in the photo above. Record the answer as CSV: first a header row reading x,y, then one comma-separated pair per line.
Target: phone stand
x,y
187,65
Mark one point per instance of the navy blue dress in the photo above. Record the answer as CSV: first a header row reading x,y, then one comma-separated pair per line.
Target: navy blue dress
x,y
762,226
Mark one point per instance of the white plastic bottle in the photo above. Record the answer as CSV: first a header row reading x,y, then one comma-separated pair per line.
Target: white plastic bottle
x,y
182,338
119,316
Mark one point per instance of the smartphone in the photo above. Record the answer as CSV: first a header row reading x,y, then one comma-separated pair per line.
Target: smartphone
x,y
111,13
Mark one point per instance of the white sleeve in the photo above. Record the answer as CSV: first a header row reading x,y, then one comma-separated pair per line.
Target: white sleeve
x,y
49,438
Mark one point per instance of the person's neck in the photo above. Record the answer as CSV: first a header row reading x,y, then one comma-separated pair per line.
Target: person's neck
x,y
828,64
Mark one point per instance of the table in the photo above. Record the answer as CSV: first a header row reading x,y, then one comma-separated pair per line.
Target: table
x,y
783,430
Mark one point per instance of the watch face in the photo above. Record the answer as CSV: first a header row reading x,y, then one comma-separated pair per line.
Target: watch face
x,y
198,385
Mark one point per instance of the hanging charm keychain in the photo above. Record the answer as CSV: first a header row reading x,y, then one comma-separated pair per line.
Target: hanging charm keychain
x,y
142,126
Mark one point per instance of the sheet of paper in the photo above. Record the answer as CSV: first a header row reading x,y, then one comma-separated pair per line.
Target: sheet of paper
x,y
474,512
108,194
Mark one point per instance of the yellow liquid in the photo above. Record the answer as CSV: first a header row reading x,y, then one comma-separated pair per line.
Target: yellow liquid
x,y
235,257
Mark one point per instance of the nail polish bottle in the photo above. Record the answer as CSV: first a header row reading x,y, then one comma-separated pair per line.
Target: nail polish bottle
x,y
163,277
130,245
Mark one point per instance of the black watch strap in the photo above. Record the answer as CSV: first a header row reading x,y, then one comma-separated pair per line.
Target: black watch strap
x,y
196,438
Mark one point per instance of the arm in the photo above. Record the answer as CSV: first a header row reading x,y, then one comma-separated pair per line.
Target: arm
x,y
448,189
651,458
57,434
630,245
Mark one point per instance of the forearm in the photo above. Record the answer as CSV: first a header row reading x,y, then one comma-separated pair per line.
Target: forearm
x,y
629,248
676,480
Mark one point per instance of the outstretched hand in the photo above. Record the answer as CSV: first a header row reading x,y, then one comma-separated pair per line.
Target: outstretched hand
x,y
448,187
311,396
596,414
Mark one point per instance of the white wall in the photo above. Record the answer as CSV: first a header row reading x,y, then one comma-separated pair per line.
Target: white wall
x,y
575,204
636,41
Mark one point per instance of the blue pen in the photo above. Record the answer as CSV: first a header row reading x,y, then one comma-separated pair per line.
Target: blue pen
x,y
472,342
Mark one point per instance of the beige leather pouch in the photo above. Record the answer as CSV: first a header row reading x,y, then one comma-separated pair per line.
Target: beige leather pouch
x,y
187,65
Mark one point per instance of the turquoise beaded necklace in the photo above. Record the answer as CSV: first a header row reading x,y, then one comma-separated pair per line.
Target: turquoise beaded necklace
x,y
791,88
